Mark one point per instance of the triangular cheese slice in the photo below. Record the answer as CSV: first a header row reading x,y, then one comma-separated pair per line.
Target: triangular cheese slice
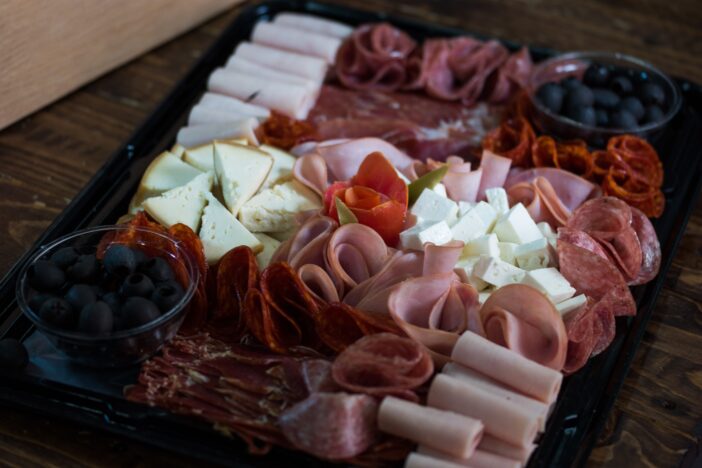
x,y
274,209
201,157
270,245
181,204
240,172
178,150
282,166
221,231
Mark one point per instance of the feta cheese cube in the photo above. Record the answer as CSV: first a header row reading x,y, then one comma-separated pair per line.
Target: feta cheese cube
x,y
517,226
487,213
483,245
434,208
535,254
507,251
494,271
468,227
467,264
415,237
569,305
548,233
550,282
497,198
464,207
441,190
409,238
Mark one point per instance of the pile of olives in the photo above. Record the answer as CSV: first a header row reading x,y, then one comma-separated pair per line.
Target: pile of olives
x,y
75,291
607,96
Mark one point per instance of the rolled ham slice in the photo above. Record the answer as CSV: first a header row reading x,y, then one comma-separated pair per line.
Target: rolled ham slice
x,y
313,24
224,103
200,115
446,431
305,66
290,99
479,459
508,367
197,135
495,169
242,65
354,253
499,447
506,420
311,170
419,460
296,40
469,376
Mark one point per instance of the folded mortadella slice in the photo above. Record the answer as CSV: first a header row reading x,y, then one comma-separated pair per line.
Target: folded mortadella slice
x,y
242,65
472,377
197,135
200,115
296,40
225,103
311,170
495,170
305,66
499,447
290,99
420,460
355,253
314,24
504,419
447,431
479,459
508,367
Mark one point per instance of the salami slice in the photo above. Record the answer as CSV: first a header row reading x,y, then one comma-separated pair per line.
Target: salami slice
x,y
650,247
582,334
581,239
603,218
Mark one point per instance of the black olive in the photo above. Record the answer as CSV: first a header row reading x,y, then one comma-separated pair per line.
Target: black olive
x,y
13,354
570,83
80,295
596,75
96,318
653,114
623,119
551,96
119,260
602,117
584,115
158,269
113,300
58,312
633,106
621,85
166,296
652,94
37,300
141,258
65,257
85,270
581,96
605,98
45,276
138,311
137,284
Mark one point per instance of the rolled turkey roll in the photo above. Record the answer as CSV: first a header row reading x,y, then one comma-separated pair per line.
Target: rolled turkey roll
x,y
419,460
479,459
197,135
200,115
497,446
296,40
248,67
305,66
290,99
224,103
313,24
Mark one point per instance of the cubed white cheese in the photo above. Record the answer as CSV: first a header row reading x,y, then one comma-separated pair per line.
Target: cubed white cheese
x,y
550,282
535,254
464,207
270,245
517,226
548,233
468,227
439,234
496,272
221,231
181,204
274,209
569,305
497,198
507,251
440,189
483,245
409,238
467,264
487,213
432,207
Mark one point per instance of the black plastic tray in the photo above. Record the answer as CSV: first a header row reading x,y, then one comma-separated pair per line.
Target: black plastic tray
x,y
53,386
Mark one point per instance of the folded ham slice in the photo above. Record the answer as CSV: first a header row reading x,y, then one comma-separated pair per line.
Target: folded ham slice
x,y
197,135
354,253
305,66
506,366
224,103
304,42
504,419
311,170
313,24
479,459
447,431
494,171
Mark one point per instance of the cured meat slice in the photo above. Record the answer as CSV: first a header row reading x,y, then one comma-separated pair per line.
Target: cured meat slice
x,y
479,459
584,330
313,24
311,170
524,320
308,244
304,42
201,115
571,189
316,374
513,75
603,218
192,247
497,446
581,239
506,420
305,66
512,139
494,172
510,368
331,426
447,431
318,283
224,103
382,364
354,253
650,247
242,65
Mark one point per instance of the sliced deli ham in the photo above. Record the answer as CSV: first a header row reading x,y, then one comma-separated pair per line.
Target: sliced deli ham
x,y
479,459
313,24
305,66
497,446
296,40
242,65
225,103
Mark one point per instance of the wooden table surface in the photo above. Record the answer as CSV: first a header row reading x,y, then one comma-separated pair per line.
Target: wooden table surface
x,y
46,158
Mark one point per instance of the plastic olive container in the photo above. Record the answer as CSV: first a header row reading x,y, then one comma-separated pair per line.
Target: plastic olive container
x,y
123,347
574,64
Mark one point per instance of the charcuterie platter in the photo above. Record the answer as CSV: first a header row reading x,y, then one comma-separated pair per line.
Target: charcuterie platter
x,y
357,239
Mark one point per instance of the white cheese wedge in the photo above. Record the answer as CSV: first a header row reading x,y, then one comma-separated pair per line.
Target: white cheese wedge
x,y
241,170
467,264
487,213
181,204
468,227
178,150
431,207
507,251
569,305
274,209
283,163
550,282
496,272
201,157
483,245
497,198
464,207
221,231
517,226
270,245
441,190
534,255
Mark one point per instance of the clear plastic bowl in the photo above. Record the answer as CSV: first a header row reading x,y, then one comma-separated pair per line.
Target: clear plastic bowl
x,y
574,64
124,347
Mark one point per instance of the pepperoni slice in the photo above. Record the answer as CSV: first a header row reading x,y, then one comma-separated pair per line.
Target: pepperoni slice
x,y
512,139
192,246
